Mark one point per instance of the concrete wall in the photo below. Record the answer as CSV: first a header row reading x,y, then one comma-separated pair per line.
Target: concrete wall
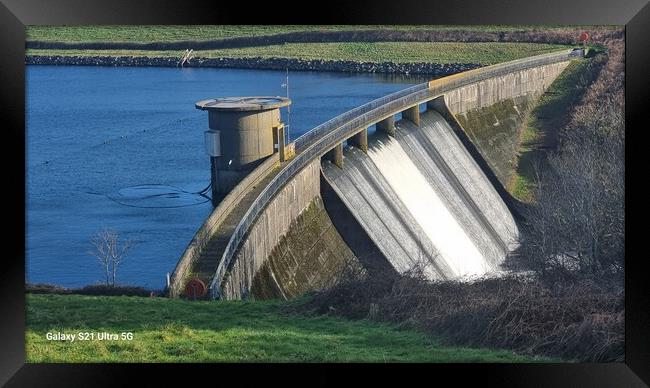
x,y
269,228
311,256
492,90
246,136
246,140
496,132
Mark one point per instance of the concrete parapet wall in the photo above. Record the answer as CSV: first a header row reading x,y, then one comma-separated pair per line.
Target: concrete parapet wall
x,y
267,231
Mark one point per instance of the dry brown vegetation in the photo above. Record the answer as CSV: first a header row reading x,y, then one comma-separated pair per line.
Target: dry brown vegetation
x,y
576,227
579,321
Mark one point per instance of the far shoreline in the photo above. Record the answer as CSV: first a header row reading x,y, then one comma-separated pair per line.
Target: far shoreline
x,y
258,63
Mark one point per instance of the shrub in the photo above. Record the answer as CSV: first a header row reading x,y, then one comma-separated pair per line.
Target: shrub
x,y
95,289
101,289
110,252
576,227
581,321
43,288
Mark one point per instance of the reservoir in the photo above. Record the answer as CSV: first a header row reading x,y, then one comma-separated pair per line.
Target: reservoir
x,y
122,148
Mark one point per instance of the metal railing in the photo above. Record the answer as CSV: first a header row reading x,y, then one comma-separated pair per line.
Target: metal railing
x,y
309,137
324,137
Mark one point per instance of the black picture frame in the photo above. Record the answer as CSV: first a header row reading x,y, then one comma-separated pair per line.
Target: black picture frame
x,y
15,14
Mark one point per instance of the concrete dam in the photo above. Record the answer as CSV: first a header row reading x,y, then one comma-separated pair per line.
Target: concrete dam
x,y
417,191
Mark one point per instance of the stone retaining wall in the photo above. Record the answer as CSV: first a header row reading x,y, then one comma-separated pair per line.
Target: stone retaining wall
x,y
433,69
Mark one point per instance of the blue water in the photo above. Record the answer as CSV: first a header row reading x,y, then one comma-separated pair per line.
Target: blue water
x,y
101,141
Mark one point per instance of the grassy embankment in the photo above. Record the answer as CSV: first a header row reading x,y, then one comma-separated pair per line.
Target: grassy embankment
x,y
485,53
551,112
167,330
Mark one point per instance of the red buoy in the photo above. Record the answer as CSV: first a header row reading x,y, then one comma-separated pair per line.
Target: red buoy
x,y
195,289
584,37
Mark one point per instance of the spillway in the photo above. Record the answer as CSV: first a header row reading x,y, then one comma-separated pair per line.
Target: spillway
x,y
423,200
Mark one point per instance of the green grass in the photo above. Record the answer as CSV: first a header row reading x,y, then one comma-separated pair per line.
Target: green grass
x,y
402,52
550,114
167,330
180,33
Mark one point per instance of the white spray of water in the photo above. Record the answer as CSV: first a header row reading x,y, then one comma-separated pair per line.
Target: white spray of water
x,y
424,204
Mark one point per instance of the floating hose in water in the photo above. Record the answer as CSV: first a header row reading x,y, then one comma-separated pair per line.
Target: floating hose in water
x,y
158,196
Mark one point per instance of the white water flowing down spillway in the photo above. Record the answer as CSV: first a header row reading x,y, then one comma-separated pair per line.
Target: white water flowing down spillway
x,y
423,200
419,198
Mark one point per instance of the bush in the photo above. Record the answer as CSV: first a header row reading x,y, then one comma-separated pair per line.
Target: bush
x,y
582,321
96,289
42,288
104,290
110,252
576,227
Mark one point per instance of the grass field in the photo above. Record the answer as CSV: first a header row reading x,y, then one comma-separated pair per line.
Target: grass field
x,y
201,33
167,330
400,52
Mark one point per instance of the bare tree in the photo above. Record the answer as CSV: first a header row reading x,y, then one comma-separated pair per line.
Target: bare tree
x,y
110,252
577,224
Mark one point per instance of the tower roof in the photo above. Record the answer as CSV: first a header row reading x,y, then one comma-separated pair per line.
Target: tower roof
x,y
256,103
